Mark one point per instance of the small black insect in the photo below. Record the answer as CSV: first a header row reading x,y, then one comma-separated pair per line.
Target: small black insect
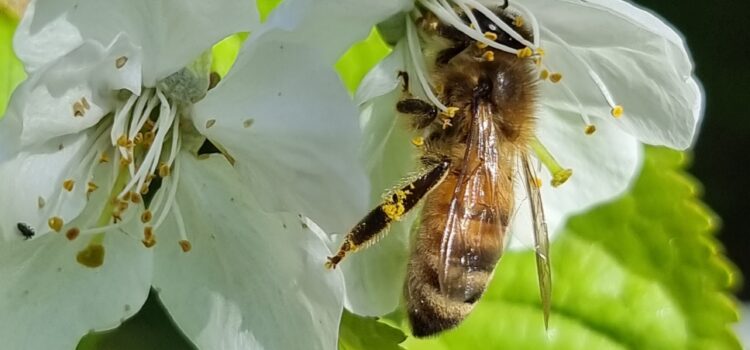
x,y
26,230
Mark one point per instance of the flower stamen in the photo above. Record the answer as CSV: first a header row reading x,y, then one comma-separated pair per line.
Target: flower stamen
x,y
559,174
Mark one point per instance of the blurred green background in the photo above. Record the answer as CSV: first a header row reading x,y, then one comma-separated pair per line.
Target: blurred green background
x,y
710,28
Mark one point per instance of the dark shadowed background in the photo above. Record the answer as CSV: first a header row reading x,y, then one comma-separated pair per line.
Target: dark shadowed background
x,y
718,34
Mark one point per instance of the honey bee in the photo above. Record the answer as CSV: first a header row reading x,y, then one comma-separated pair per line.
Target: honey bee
x,y
474,149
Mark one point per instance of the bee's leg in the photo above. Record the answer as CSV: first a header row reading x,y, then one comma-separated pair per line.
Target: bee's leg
x,y
422,112
392,209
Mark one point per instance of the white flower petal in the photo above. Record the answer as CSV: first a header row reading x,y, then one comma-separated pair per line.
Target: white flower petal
x,y
333,25
375,276
55,39
253,279
49,301
286,118
603,166
32,188
642,61
171,33
52,101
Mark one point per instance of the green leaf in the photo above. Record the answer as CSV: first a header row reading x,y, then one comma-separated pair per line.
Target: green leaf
x,y
643,272
360,58
11,69
359,333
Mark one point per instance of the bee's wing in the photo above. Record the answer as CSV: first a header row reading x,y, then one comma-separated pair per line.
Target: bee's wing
x,y
541,240
473,237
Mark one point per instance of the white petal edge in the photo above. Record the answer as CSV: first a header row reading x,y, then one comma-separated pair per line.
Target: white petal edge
x,y
333,25
253,278
643,62
284,115
170,33
604,165
45,288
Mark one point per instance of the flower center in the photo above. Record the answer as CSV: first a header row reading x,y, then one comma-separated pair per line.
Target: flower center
x,y
132,161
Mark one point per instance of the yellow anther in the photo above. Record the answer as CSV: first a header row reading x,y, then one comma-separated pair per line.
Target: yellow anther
x,y
91,187
122,205
78,109
138,138
120,62
116,216
92,256
164,170
617,111
450,112
104,158
144,189
185,245
148,243
490,35
210,123
135,197
540,52
488,56
148,233
525,52
555,77
72,233
418,141
68,184
518,21
146,216
590,129
123,141
538,182
559,177
149,125
148,138
481,45
55,223
125,161
544,74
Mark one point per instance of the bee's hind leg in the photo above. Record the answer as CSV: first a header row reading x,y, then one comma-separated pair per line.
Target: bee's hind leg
x,y
393,208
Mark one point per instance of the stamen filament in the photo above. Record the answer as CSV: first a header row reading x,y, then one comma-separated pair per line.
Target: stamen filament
x,y
498,22
417,60
559,174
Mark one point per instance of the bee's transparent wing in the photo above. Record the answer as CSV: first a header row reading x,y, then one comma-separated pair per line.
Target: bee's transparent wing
x,y
472,239
541,239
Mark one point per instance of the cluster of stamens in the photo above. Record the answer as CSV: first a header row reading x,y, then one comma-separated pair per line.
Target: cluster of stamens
x,y
140,141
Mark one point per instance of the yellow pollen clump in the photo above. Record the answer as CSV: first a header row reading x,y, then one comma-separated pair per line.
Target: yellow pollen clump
x,y
78,109
418,141
92,256
185,245
560,177
617,111
104,158
490,35
135,197
450,112
120,62
55,223
146,216
518,21
525,52
72,233
138,139
489,56
68,185
164,170
555,77
590,129
395,209
544,74
540,52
